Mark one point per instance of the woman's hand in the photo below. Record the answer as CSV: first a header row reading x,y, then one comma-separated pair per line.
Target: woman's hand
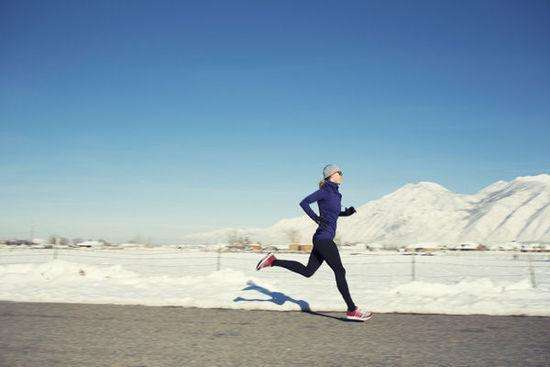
x,y
349,211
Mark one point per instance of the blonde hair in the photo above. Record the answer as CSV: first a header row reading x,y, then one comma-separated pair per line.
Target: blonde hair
x,y
322,182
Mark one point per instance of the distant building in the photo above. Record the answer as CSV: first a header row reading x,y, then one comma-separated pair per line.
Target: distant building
x,y
90,244
234,247
239,246
300,247
472,246
535,247
255,247
467,246
423,247
509,246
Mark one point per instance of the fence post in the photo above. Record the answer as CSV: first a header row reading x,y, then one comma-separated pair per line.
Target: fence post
x,y
413,266
218,259
532,272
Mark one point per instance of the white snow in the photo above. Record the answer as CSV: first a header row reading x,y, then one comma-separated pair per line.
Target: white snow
x,y
494,283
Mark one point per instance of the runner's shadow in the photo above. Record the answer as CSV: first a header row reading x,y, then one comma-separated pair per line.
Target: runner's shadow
x,y
280,299
276,297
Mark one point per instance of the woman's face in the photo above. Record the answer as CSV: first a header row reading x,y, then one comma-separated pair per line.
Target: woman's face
x,y
336,177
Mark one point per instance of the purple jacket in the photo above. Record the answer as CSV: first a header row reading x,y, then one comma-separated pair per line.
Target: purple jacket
x,y
329,200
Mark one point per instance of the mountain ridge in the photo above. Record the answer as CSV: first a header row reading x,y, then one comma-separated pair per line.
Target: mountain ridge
x,y
425,211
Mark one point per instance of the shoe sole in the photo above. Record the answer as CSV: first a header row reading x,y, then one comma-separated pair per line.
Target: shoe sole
x,y
355,318
262,261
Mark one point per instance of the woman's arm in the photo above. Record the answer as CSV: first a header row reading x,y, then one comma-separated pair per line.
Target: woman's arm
x,y
311,198
347,212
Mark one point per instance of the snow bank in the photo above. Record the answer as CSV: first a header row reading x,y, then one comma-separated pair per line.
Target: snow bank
x,y
64,281
475,296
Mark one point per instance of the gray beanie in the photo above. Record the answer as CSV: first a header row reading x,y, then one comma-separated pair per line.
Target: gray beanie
x,y
330,169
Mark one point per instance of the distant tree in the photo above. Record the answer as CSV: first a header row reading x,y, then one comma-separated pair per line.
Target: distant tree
x,y
232,236
57,240
390,246
293,235
136,240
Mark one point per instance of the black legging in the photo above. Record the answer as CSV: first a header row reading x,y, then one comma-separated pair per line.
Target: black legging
x,y
323,250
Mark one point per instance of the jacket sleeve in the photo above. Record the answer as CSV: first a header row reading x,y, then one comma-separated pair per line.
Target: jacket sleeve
x,y
311,198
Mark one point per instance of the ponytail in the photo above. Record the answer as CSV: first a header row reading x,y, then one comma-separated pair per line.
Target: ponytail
x,y
321,183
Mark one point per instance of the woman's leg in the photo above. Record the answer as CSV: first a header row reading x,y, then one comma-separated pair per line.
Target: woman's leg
x,y
315,260
329,251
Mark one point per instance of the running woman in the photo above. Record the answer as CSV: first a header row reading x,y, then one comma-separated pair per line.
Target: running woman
x,y
328,199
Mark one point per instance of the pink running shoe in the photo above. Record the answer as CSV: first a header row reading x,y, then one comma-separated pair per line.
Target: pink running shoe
x,y
359,315
266,261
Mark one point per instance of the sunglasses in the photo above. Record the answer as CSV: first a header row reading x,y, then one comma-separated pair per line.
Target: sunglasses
x,y
340,173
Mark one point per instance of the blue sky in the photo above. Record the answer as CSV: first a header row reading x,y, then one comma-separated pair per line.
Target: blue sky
x,y
160,119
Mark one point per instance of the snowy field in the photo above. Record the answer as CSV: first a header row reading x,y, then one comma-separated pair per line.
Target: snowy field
x,y
493,283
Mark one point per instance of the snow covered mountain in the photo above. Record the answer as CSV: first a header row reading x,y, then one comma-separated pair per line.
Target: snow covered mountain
x,y
426,212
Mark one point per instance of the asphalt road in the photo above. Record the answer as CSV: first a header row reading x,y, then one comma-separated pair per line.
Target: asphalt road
x,y
53,334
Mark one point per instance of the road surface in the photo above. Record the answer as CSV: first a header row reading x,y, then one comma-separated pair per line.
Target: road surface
x,y
57,334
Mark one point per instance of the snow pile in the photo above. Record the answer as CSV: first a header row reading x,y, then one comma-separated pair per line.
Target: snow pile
x,y
62,281
475,296
273,289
